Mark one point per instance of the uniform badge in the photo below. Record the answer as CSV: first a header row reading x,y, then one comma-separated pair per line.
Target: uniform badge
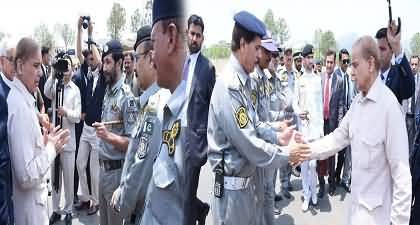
x,y
169,136
148,128
254,97
269,88
142,150
241,117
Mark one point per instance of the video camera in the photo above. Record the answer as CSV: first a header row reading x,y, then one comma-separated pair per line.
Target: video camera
x,y
60,65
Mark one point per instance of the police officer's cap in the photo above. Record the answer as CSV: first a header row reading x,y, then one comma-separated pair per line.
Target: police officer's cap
x,y
113,46
297,55
307,50
143,34
166,9
250,23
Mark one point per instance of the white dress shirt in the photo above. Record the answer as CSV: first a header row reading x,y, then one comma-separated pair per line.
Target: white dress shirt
x,y
72,107
375,128
30,158
191,68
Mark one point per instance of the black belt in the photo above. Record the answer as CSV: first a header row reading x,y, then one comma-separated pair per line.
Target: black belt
x,y
111,164
409,115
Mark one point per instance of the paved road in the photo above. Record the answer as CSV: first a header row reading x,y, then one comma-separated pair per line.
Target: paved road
x,y
330,210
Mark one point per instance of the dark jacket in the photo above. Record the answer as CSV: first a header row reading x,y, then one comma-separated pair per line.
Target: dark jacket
x,y
6,203
401,80
337,107
198,110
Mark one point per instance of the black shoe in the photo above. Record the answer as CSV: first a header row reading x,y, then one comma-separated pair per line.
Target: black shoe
x,y
331,190
346,187
202,217
55,217
277,211
321,192
278,198
93,210
67,219
286,194
82,205
296,171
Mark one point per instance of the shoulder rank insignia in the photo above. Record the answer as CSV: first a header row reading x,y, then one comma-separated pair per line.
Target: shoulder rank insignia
x,y
254,97
169,136
241,117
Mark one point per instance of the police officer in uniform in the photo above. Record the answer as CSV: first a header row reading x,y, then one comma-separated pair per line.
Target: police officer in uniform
x,y
297,57
145,141
166,196
235,149
119,110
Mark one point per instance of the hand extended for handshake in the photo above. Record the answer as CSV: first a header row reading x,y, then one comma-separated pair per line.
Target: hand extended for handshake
x,y
298,149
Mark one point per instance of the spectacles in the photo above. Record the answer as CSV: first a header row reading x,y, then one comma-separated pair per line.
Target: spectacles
x,y
137,55
346,61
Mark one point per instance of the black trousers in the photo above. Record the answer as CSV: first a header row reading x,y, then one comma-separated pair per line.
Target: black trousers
x,y
193,206
331,160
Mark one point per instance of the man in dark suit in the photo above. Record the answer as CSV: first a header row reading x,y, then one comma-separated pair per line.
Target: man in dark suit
x,y
397,77
415,176
199,73
332,86
344,157
6,203
45,67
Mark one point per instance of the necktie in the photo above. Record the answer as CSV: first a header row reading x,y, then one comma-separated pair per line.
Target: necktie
x,y
382,77
186,69
347,91
89,85
327,97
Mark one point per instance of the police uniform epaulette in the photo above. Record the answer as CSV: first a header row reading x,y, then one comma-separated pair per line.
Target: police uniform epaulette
x,y
153,103
231,79
126,89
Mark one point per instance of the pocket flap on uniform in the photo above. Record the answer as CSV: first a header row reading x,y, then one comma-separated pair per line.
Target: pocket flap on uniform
x,y
41,198
163,173
370,202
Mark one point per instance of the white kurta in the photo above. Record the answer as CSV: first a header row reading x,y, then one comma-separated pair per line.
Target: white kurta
x,y
381,181
30,158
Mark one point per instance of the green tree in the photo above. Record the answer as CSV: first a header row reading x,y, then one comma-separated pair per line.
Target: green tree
x,y
2,35
43,35
415,44
327,42
317,43
217,51
278,27
66,33
135,21
116,21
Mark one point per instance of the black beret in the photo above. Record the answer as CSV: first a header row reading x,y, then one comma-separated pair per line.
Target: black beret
x,y
113,46
165,9
143,34
307,50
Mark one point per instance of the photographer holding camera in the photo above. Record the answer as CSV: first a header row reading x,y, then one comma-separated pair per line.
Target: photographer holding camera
x,y
68,109
92,88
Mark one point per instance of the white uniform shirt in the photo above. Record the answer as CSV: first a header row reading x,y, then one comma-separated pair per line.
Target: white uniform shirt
x,y
30,158
375,128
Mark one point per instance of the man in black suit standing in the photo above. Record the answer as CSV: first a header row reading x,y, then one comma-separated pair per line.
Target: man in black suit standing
x,y
199,74
344,157
45,67
333,107
397,77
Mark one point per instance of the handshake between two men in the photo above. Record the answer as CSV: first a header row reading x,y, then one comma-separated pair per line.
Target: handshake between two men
x,y
299,150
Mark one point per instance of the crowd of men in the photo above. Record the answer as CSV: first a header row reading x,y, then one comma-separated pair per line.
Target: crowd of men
x,y
126,134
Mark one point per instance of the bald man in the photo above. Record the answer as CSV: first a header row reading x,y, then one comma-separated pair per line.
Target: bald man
x,y
381,184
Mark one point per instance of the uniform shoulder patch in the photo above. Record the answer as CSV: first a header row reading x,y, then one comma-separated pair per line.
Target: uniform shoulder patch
x,y
241,116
